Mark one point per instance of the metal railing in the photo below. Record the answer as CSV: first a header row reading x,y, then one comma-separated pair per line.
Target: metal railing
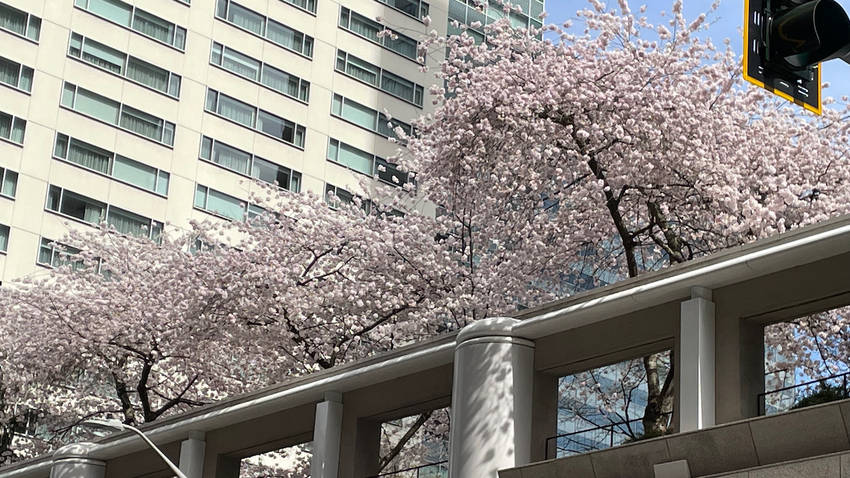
x,y
822,390
439,469
596,438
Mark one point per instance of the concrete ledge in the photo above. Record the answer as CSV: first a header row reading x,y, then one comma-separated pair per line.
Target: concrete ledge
x,y
759,448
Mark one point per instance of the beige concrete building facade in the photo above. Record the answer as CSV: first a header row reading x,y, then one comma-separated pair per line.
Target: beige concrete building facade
x,y
151,113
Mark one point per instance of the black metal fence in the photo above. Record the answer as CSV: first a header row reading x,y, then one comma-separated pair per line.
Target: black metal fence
x,y
430,470
822,390
597,438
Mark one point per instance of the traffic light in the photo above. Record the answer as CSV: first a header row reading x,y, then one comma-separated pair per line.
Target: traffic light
x,y
786,40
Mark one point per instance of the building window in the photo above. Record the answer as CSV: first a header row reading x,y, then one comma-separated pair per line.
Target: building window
x,y
259,72
389,173
15,75
12,128
4,238
53,254
132,68
137,20
224,205
19,23
126,222
336,196
414,8
125,117
379,78
255,118
466,12
248,164
351,157
366,163
307,5
8,183
370,30
88,210
265,27
105,162
366,117
74,205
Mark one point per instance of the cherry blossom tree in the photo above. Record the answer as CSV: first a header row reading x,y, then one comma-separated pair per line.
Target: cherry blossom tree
x,y
629,145
604,154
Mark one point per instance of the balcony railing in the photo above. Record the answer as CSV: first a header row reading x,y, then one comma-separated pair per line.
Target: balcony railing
x,y
430,470
596,438
822,390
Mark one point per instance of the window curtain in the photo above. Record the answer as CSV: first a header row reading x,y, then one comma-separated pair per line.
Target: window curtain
x,y
18,129
142,123
270,173
45,252
231,158
34,29
147,74
236,110
10,183
402,44
280,81
82,208
13,20
246,19
277,127
174,86
4,238
274,78
241,64
5,126
88,157
103,56
362,71
397,86
128,223
285,36
300,131
9,72
153,27
365,27
25,83
93,213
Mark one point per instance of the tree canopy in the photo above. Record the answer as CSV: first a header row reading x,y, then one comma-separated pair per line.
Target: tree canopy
x,y
607,153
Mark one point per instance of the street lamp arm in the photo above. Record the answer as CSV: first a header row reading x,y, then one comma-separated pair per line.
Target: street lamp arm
x,y
171,465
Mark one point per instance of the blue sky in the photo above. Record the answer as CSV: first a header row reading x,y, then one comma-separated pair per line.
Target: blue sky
x,y
727,21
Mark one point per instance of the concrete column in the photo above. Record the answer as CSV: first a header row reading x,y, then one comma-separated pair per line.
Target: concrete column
x,y
326,437
696,362
192,451
544,423
491,400
74,461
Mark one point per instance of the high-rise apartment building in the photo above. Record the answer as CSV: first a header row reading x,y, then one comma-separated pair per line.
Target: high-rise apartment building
x,y
146,113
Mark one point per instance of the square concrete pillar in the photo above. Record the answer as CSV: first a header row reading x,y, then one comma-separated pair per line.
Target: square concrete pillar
x,y
326,437
192,451
696,362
